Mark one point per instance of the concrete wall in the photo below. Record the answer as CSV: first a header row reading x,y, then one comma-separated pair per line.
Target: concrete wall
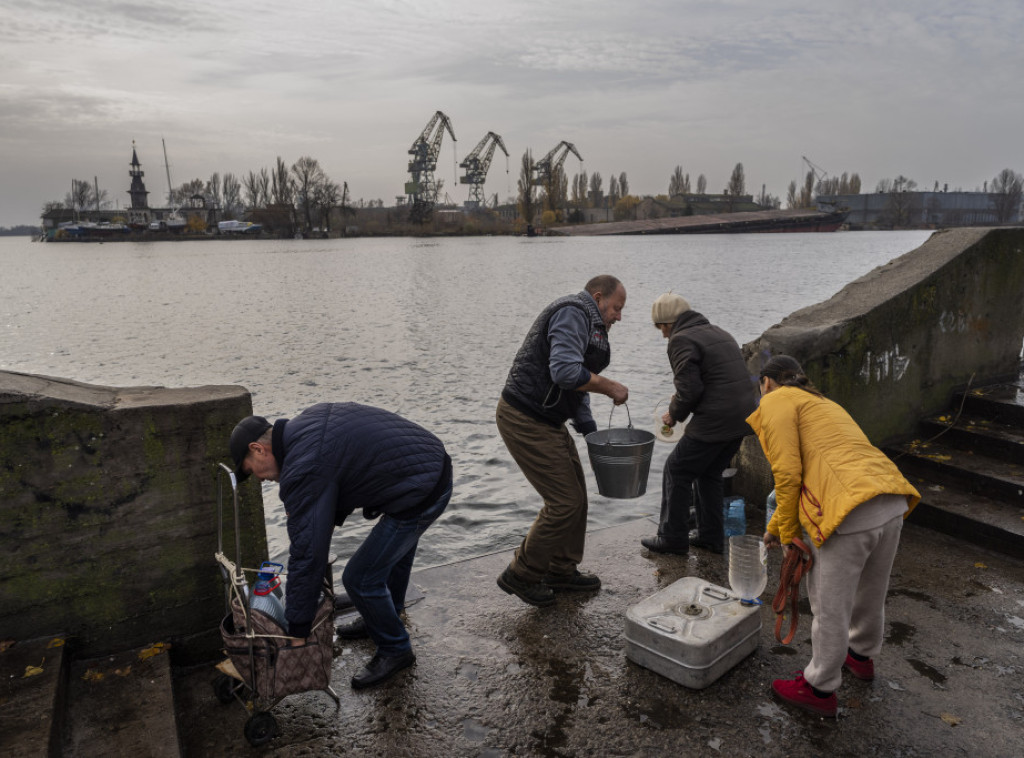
x,y
892,346
108,517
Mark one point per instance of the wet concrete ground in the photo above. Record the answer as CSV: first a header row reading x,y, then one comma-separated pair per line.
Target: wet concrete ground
x,y
495,677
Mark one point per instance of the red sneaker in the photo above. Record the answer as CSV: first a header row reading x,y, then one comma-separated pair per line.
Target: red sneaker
x,y
861,669
799,693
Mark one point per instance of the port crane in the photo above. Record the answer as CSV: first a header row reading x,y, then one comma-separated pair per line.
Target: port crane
x,y
477,163
820,174
546,166
422,188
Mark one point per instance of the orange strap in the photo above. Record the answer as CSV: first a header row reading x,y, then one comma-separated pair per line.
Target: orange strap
x,y
797,563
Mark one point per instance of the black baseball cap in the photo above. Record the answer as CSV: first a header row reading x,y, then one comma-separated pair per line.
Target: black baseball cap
x,y
248,430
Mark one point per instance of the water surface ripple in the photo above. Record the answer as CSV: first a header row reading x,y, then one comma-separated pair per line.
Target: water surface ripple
x,y
424,327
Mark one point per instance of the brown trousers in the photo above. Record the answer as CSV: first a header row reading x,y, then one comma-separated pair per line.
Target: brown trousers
x,y
548,457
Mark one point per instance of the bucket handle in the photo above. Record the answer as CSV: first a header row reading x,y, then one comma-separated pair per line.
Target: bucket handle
x,y
628,417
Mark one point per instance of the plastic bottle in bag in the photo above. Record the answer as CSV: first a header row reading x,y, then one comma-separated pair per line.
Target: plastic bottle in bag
x,y
262,597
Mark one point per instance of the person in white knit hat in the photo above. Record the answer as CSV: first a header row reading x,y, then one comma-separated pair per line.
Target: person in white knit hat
x,y
711,383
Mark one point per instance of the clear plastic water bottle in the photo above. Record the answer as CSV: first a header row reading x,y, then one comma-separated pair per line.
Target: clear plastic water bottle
x,y
769,508
735,516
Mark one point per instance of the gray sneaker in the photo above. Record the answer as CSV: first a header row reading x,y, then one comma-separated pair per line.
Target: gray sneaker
x,y
534,593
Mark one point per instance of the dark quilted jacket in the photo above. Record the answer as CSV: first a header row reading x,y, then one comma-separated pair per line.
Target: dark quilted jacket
x,y
711,380
529,387
334,458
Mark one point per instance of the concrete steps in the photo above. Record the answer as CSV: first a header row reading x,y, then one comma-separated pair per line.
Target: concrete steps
x,y
968,465
121,704
33,679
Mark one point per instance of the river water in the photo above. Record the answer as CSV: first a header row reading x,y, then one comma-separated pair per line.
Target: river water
x,y
423,327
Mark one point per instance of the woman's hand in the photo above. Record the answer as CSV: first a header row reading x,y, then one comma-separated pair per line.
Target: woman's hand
x,y
667,420
770,540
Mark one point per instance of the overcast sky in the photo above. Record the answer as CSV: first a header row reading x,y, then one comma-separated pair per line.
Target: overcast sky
x,y
931,89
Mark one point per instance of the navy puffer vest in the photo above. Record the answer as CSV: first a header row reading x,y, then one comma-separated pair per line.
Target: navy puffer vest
x,y
529,387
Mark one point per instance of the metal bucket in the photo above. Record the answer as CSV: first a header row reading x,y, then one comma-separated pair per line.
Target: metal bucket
x,y
621,459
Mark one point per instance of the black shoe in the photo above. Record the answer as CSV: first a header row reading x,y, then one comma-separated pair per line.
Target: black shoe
x,y
381,668
577,581
534,593
716,549
661,545
353,630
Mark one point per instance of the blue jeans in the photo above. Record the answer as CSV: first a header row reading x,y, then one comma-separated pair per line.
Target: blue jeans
x,y
377,575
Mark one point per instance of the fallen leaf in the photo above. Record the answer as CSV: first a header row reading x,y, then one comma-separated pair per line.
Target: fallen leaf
x,y
6,644
55,642
950,719
980,565
155,649
34,670
92,675
853,703
715,743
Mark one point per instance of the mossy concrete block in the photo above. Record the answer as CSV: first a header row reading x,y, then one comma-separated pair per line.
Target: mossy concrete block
x,y
108,509
892,346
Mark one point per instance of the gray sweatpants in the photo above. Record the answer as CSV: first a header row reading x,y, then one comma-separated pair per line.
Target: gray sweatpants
x,y
847,588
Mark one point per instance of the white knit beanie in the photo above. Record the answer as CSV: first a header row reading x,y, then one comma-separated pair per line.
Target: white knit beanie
x,y
667,307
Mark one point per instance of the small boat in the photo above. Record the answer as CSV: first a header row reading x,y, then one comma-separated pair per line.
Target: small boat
x,y
238,227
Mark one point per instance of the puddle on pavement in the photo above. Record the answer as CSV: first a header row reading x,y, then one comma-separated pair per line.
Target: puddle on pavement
x,y
900,632
912,594
470,671
656,714
924,669
781,650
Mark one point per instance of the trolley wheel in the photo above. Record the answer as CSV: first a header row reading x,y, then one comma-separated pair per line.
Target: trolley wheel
x,y
224,688
260,729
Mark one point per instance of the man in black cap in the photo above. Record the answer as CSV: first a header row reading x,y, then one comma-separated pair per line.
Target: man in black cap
x,y
329,460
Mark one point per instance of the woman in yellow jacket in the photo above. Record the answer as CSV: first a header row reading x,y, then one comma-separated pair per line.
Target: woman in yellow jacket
x,y
847,501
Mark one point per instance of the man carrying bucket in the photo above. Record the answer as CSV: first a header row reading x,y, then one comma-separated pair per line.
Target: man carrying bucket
x,y
558,363
712,383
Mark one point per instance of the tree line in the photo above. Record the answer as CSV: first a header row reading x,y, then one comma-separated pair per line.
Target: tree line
x,y
303,191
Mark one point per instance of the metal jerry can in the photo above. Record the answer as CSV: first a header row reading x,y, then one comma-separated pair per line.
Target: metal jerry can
x,y
691,632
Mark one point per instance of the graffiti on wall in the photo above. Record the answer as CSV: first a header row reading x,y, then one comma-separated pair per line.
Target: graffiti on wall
x,y
884,366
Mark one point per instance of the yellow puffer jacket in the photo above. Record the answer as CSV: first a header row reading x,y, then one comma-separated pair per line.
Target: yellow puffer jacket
x,y
824,465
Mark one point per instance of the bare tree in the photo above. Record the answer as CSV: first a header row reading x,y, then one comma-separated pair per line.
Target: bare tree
x,y
257,189
576,197
527,196
679,184
231,193
702,184
792,201
308,177
903,205
213,196
81,195
281,184
596,192
326,197
623,184
613,190
807,193
185,192
555,189
1007,189
737,182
